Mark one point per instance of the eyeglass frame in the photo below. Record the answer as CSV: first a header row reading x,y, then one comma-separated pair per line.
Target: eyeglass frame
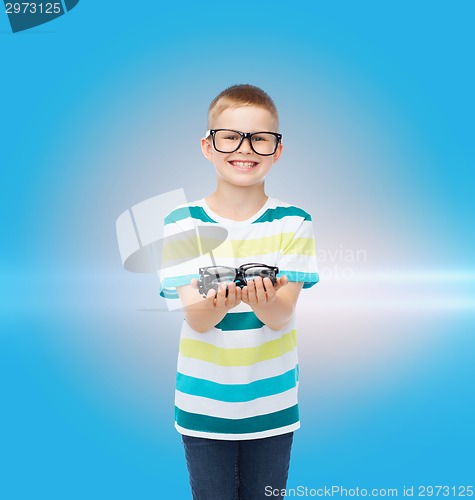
x,y
244,135
239,278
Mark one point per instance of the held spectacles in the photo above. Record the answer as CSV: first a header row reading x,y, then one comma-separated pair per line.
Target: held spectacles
x,y
212,276
229,141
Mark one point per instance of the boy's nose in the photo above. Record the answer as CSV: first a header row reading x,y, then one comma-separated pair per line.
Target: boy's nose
x,y
245,146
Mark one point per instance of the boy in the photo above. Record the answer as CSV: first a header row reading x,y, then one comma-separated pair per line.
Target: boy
x,y
236,387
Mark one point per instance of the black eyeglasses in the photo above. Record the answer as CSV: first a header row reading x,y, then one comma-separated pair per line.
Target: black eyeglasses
x,y
228,141
212,276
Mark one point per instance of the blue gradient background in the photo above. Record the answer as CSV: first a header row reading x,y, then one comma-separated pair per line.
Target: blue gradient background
x,y
104,108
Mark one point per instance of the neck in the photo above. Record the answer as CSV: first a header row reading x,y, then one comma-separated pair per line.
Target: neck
x,y
240,201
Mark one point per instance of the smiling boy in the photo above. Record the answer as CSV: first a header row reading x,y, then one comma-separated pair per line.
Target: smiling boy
x,y
237,376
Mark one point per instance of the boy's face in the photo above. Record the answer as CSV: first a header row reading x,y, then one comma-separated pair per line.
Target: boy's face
x,y
244,167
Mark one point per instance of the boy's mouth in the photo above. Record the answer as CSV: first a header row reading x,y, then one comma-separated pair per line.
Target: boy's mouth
x,y
243,165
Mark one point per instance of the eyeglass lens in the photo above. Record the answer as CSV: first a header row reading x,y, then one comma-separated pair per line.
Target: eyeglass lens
x,y
253,272
219,274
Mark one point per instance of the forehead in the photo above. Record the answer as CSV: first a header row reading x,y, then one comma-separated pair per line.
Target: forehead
x,y
246,119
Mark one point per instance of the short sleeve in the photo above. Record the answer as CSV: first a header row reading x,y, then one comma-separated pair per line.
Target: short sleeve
x,y
180,258
298,257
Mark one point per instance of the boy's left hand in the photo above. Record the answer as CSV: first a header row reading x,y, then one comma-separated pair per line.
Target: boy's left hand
x,y
259,292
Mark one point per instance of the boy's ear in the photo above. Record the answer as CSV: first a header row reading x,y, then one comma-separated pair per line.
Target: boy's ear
x,y
207,148
278,152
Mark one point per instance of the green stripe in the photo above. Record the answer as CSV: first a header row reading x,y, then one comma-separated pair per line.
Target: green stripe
x,y
280,212
260,423
302,246
239,321
237,393
185,212
265,245
240,356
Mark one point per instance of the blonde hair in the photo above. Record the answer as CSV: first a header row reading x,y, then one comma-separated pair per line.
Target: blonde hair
x,y
237,96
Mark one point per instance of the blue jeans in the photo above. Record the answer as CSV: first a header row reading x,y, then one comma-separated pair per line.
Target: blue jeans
x,y
231,470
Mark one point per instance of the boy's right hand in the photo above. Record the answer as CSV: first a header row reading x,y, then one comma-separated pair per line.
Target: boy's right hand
x,y
203,314
218,300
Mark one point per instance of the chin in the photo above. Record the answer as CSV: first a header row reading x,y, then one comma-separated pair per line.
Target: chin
x,y
245,182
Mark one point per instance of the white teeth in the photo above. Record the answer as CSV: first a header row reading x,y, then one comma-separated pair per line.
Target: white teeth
x,y
246,164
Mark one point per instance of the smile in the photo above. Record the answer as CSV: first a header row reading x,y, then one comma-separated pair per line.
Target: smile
x,y
243,165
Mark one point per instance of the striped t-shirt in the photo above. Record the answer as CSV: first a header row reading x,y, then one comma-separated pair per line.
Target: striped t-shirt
x,y
238,380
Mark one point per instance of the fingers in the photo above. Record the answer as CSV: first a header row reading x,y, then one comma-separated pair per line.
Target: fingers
x,y
221,297
245,294
235,293
283,280
261,294
269,289
229,300
280,282
260,291
251,293
256,292
210,296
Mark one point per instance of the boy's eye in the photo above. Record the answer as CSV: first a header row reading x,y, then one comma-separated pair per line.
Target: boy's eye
x,y
261,137
232,137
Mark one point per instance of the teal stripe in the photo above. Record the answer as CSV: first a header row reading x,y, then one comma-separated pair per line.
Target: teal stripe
x,y
168,293
168,289
260,423
237,393
185,212
175,281
280,212
239,321
308,279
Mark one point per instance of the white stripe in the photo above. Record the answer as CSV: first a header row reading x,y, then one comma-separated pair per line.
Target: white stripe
x,y
298,263
242,307
241,231
288,224
237,374
269,259
235,437
222,409
237,338
179,227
